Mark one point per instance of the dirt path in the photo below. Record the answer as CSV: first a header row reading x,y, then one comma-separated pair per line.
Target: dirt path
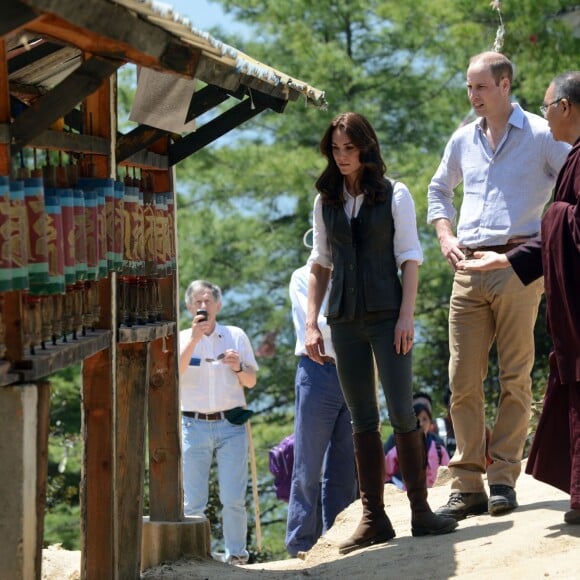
x,y
533,542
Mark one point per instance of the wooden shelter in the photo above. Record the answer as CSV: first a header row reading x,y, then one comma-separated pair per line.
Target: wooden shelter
x,y
88,263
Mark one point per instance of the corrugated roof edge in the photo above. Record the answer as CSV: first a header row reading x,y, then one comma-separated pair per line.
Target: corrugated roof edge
x,y
163,15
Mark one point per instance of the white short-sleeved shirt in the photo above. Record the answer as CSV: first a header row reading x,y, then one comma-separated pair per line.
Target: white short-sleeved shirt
x,y
208,385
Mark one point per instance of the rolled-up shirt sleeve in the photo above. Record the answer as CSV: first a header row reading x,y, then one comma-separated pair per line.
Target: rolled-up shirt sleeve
x,y
441,189
406,242
320,253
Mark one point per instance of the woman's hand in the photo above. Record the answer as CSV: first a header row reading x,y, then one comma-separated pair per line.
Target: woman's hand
x,y
404,334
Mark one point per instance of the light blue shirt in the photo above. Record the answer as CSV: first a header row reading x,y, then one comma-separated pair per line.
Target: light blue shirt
x,y
504,192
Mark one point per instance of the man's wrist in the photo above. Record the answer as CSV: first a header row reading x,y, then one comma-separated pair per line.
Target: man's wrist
x,y
242,367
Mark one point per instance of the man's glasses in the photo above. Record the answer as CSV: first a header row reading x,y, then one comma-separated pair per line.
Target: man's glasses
x,y
544,108
219,357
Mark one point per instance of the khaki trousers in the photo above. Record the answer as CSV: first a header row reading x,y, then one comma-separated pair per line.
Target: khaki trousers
x,y
488,306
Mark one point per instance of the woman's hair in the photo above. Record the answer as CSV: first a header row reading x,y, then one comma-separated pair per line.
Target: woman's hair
x,y
418,407
371,179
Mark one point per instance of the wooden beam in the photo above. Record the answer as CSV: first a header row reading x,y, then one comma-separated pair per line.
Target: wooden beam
x,y
108,29
54,358
63,141
66,96
213,130
131,424
208,98
144,333
136,140
14,16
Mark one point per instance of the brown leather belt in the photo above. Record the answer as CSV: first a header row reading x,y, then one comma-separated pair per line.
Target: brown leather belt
x,y
502,249
204,416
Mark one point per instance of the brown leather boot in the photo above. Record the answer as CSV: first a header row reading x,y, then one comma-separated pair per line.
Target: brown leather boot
x,y
413,464
374,526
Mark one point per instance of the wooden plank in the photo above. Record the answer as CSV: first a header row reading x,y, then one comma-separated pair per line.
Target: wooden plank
x,y
63,141
139,138
165,471
204,100
40,55
144,333
213,130
131,416
12,315
14,16
4,108
62,355
97,484
64,97
107,29
147,160
43,429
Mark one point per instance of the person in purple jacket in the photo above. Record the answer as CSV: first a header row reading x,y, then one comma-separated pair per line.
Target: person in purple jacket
x,y
555,454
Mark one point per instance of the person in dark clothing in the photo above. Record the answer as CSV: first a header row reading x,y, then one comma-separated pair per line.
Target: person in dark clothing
x,y
364,231
555,454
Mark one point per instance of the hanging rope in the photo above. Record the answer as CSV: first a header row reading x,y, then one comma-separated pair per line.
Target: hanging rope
x,y
499,35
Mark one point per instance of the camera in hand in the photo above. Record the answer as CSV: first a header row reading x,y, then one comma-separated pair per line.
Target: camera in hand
x,y
202,312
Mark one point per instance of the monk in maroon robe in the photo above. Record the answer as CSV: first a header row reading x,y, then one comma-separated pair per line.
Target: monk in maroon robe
x,y
555,454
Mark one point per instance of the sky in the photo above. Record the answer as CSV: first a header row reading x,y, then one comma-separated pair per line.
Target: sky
x,y
204,14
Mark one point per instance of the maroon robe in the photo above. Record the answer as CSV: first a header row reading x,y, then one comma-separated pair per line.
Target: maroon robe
x,y
555,454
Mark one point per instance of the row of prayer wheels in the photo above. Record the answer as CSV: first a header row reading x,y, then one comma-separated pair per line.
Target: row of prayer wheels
x,y
60,234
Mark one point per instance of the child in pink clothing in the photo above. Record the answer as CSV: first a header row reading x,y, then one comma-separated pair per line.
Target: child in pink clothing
x,y
436,453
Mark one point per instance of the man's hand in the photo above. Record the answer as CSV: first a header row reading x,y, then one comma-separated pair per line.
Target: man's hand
x,y
484,261
199,326
451,250
314,344
448,242
232,359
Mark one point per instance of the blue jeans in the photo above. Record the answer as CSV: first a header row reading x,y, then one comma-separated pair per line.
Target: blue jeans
x,y
230,443
324,468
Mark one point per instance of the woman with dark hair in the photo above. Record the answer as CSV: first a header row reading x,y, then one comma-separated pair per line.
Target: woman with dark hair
x,y
365,231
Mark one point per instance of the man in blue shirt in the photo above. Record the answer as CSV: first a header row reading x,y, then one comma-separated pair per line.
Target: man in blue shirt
x,y
507,161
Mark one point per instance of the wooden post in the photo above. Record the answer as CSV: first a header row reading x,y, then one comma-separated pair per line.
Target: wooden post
x,y
131,416
97,483
18,523
165,475
42,432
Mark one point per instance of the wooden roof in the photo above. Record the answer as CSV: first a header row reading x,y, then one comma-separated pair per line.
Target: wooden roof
x,y
59,51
